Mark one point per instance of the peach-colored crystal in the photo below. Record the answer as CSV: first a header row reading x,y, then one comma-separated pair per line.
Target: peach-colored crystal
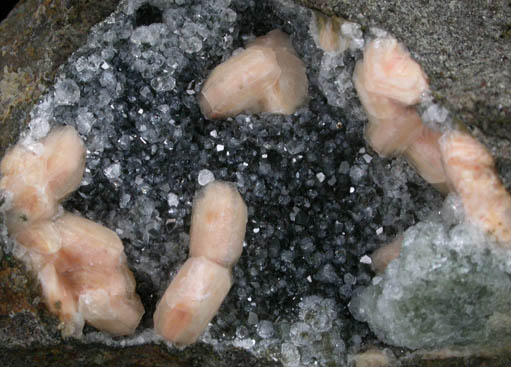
x,y
90,243
84,265
191,300
42,237
393,126
80,264
38,181
66,161
219,219
389,82
60,300
385,254
265,77
390,71
329,32
275,40
425,156
238,84
27,184
377,106
390,137
470,169
373,358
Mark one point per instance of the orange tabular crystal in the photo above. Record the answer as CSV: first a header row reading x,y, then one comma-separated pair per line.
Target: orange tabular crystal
x,y
94,262
117,314
470,169
88,271
377,106
393,136
390,71
89,243
81,265
389,82
425,156
219,219
66,161
329,32
192,300
385,254
61,301
393,124
265,77
38,182
238,85
275,40
42,237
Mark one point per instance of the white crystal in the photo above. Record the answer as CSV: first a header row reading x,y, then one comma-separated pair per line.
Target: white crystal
x,y
367,158
148,34
66,92
113,171
205,177
163,83
435,114
290,355
172,199
320,176
39,127
366,260
84,121
265,329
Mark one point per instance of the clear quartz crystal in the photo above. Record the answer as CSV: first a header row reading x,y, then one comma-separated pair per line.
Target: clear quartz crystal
x,y
205,177
66,92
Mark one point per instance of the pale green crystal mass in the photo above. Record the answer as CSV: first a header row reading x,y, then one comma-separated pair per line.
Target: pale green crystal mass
x,y
449,286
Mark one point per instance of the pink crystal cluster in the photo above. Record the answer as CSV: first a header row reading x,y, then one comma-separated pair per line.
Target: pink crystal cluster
x,y
219,218
80,264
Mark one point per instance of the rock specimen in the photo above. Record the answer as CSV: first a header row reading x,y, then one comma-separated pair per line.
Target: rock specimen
x,y
389,83
39,175
471,171
136,108
219,218
267,76
80,264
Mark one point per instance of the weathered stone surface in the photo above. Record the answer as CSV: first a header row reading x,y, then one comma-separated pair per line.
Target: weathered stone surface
x,y
464,47
35,39
22,311
81,355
